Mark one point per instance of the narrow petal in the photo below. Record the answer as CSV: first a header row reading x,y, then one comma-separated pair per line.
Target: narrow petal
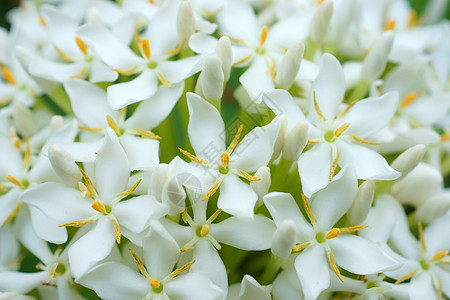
x,y
89,103
257,79
54,71
282,289
368,164
112,169
142,153
282,206
237,198
360,256
47,228
193,286
92,247
59,202
313,271
256,148
20,282
178,70
142,87
331,203
329,88
251,289
421,287
281,103
112,280
206,129
9,246
8,202
10,161
370,115
253,235
136,213
100,72
314,168
434,234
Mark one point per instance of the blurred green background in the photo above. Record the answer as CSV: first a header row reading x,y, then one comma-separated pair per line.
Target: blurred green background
x,y
5,5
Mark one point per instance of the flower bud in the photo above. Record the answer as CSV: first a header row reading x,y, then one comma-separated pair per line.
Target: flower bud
x,y
320,21
56,123
261,187
282,133
283,239
433,208
212,78
64,165
375,62
341,20
409,159
24,121
223,51
295,141
290,65
362,203
185,21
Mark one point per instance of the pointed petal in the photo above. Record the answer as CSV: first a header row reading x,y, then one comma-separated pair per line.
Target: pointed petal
x,y
237,198
313,271
206,128
314,168
47,228
251,289
178,70
331,203
54,71
282,206
112,280
89,103
9,246
434,234
125,93
193,286
253,235
20,282
92,247
257,79
100,72
112,169
282,289
281,103
143,153
368,164
10,161
421,287
8,202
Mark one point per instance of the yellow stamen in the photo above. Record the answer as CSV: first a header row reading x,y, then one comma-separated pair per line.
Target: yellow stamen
x,y
42,21
439,255
151,1
2,188
163,80
390,25
334,232
412,18
299,247
84,190
242,60
271,71
421,237
308,209
139,263
225,159
409,98
334,267
263,36
8,76
334,166
88,182
13,213
81,45
27,156
439,290
341,129
445,137
79,74
213,216
126,72
235,140
193,157
145,46
62,54
177,49
181,269
358,139
154,283
14,180
184,215
343,112
75,223
248,176
212,190
183,249
313,142
235,39
406,277
112,124
117,230
130,190
90,129
316,106
147,134
15,140
318,2
204,230
98,206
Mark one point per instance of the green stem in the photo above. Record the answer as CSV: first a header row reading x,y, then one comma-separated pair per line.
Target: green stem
x,y
359,91
272,269
310,49
281,174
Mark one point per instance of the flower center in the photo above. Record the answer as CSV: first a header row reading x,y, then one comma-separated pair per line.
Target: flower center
x,y
371,284
152,64
60,269
320,237
424,264
329,136
158,289
223,170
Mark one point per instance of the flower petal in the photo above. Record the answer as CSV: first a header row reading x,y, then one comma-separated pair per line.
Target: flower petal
x,y
421,287
112,280
257,79
193,286
434,234
8,202
253,235
92,247
20,282
281,103
10,161
143,153
178,70
237,198
251,289
282,289
47,228
206,128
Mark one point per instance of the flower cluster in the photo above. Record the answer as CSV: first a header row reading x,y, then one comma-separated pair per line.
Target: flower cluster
x,y
227,149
